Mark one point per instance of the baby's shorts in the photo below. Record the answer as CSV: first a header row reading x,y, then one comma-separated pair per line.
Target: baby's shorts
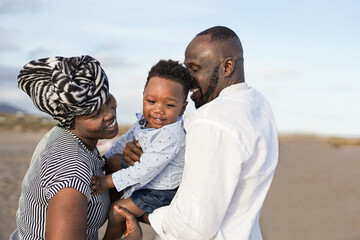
x,y
150,199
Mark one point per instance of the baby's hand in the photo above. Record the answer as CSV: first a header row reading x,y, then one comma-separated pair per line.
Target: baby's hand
x,y
99,184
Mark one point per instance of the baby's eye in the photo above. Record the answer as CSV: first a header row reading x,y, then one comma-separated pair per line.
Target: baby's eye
x,y
150,101
170,105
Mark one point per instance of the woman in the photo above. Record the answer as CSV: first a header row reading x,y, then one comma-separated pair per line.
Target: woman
x,y
56,201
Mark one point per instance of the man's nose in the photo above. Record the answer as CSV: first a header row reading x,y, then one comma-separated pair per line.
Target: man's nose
x,y
192,86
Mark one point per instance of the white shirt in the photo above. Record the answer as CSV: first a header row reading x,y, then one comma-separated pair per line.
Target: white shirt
x,y
162,163
230,159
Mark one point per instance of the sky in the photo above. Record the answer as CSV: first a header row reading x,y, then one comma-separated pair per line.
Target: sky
x,y
302,55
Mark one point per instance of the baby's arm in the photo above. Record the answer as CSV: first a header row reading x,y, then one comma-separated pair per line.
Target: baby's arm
x,y
113,158
119,145
113,163
153,161
100,184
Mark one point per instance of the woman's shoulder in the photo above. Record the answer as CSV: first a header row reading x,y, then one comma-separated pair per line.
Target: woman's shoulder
x,y
62,148
60,140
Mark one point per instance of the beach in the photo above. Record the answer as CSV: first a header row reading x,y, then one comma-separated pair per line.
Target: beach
x,y
314,195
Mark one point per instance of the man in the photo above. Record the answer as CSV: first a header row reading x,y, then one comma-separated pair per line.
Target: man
x,y
231,148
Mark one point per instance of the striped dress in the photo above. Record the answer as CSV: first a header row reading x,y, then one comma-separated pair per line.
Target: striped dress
x,y
59,161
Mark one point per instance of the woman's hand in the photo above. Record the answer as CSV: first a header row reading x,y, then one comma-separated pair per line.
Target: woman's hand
x,y
132,153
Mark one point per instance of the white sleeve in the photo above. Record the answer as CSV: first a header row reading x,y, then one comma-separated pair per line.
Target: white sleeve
x,y
120,144
212,168
152,162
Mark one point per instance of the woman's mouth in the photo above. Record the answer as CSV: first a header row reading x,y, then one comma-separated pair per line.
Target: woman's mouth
x,y
112,125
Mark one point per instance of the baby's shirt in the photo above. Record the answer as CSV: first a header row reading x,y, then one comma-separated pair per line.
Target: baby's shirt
x,y
162,163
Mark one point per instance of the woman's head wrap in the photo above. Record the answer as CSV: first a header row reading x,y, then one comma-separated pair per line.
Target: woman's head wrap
x,y
65,87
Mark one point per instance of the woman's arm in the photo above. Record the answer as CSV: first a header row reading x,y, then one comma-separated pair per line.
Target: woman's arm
x,y
66,216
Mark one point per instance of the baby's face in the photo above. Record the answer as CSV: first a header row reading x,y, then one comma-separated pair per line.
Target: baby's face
x,y
163,102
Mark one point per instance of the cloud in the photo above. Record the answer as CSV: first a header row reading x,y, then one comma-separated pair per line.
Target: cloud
x,y
8,74
105,52
272,72
7,43
38,53
110,61
19,6
108,46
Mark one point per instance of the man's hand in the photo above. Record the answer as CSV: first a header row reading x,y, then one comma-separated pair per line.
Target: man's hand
x,y
133,230
132,153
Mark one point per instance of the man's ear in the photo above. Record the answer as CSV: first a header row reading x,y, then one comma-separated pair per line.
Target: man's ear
x,y
183,108
229,66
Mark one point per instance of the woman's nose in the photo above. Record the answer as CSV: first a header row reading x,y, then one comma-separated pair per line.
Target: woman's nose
x,y
110,112
111,108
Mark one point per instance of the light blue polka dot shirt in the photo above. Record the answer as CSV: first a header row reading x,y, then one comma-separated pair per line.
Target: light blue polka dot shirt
x,y
162,162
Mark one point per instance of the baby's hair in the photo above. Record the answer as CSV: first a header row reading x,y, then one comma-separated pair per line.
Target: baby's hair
x,y
171,70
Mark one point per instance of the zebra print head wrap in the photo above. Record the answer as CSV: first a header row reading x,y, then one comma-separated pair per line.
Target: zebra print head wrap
x,y
65,87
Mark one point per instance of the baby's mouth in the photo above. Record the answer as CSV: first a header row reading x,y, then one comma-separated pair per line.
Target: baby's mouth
x,y
158,121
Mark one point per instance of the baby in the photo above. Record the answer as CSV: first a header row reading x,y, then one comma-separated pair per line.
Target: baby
x,y
152,182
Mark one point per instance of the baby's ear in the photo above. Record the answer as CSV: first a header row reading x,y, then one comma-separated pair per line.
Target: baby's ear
x,y
183,108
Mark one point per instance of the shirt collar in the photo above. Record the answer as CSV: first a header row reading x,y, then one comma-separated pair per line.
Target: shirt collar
x,y
233,88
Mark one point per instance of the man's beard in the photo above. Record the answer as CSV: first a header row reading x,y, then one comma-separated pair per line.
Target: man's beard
x,y
214,80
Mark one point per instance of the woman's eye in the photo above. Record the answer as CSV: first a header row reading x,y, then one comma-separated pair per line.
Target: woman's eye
x,y
96,114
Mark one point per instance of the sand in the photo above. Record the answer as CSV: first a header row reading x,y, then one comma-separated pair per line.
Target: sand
x,y
315,193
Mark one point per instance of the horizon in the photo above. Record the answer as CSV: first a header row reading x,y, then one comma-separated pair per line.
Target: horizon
x,y
329,138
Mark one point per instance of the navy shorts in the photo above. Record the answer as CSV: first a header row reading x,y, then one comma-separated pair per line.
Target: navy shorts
x,y
150,199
